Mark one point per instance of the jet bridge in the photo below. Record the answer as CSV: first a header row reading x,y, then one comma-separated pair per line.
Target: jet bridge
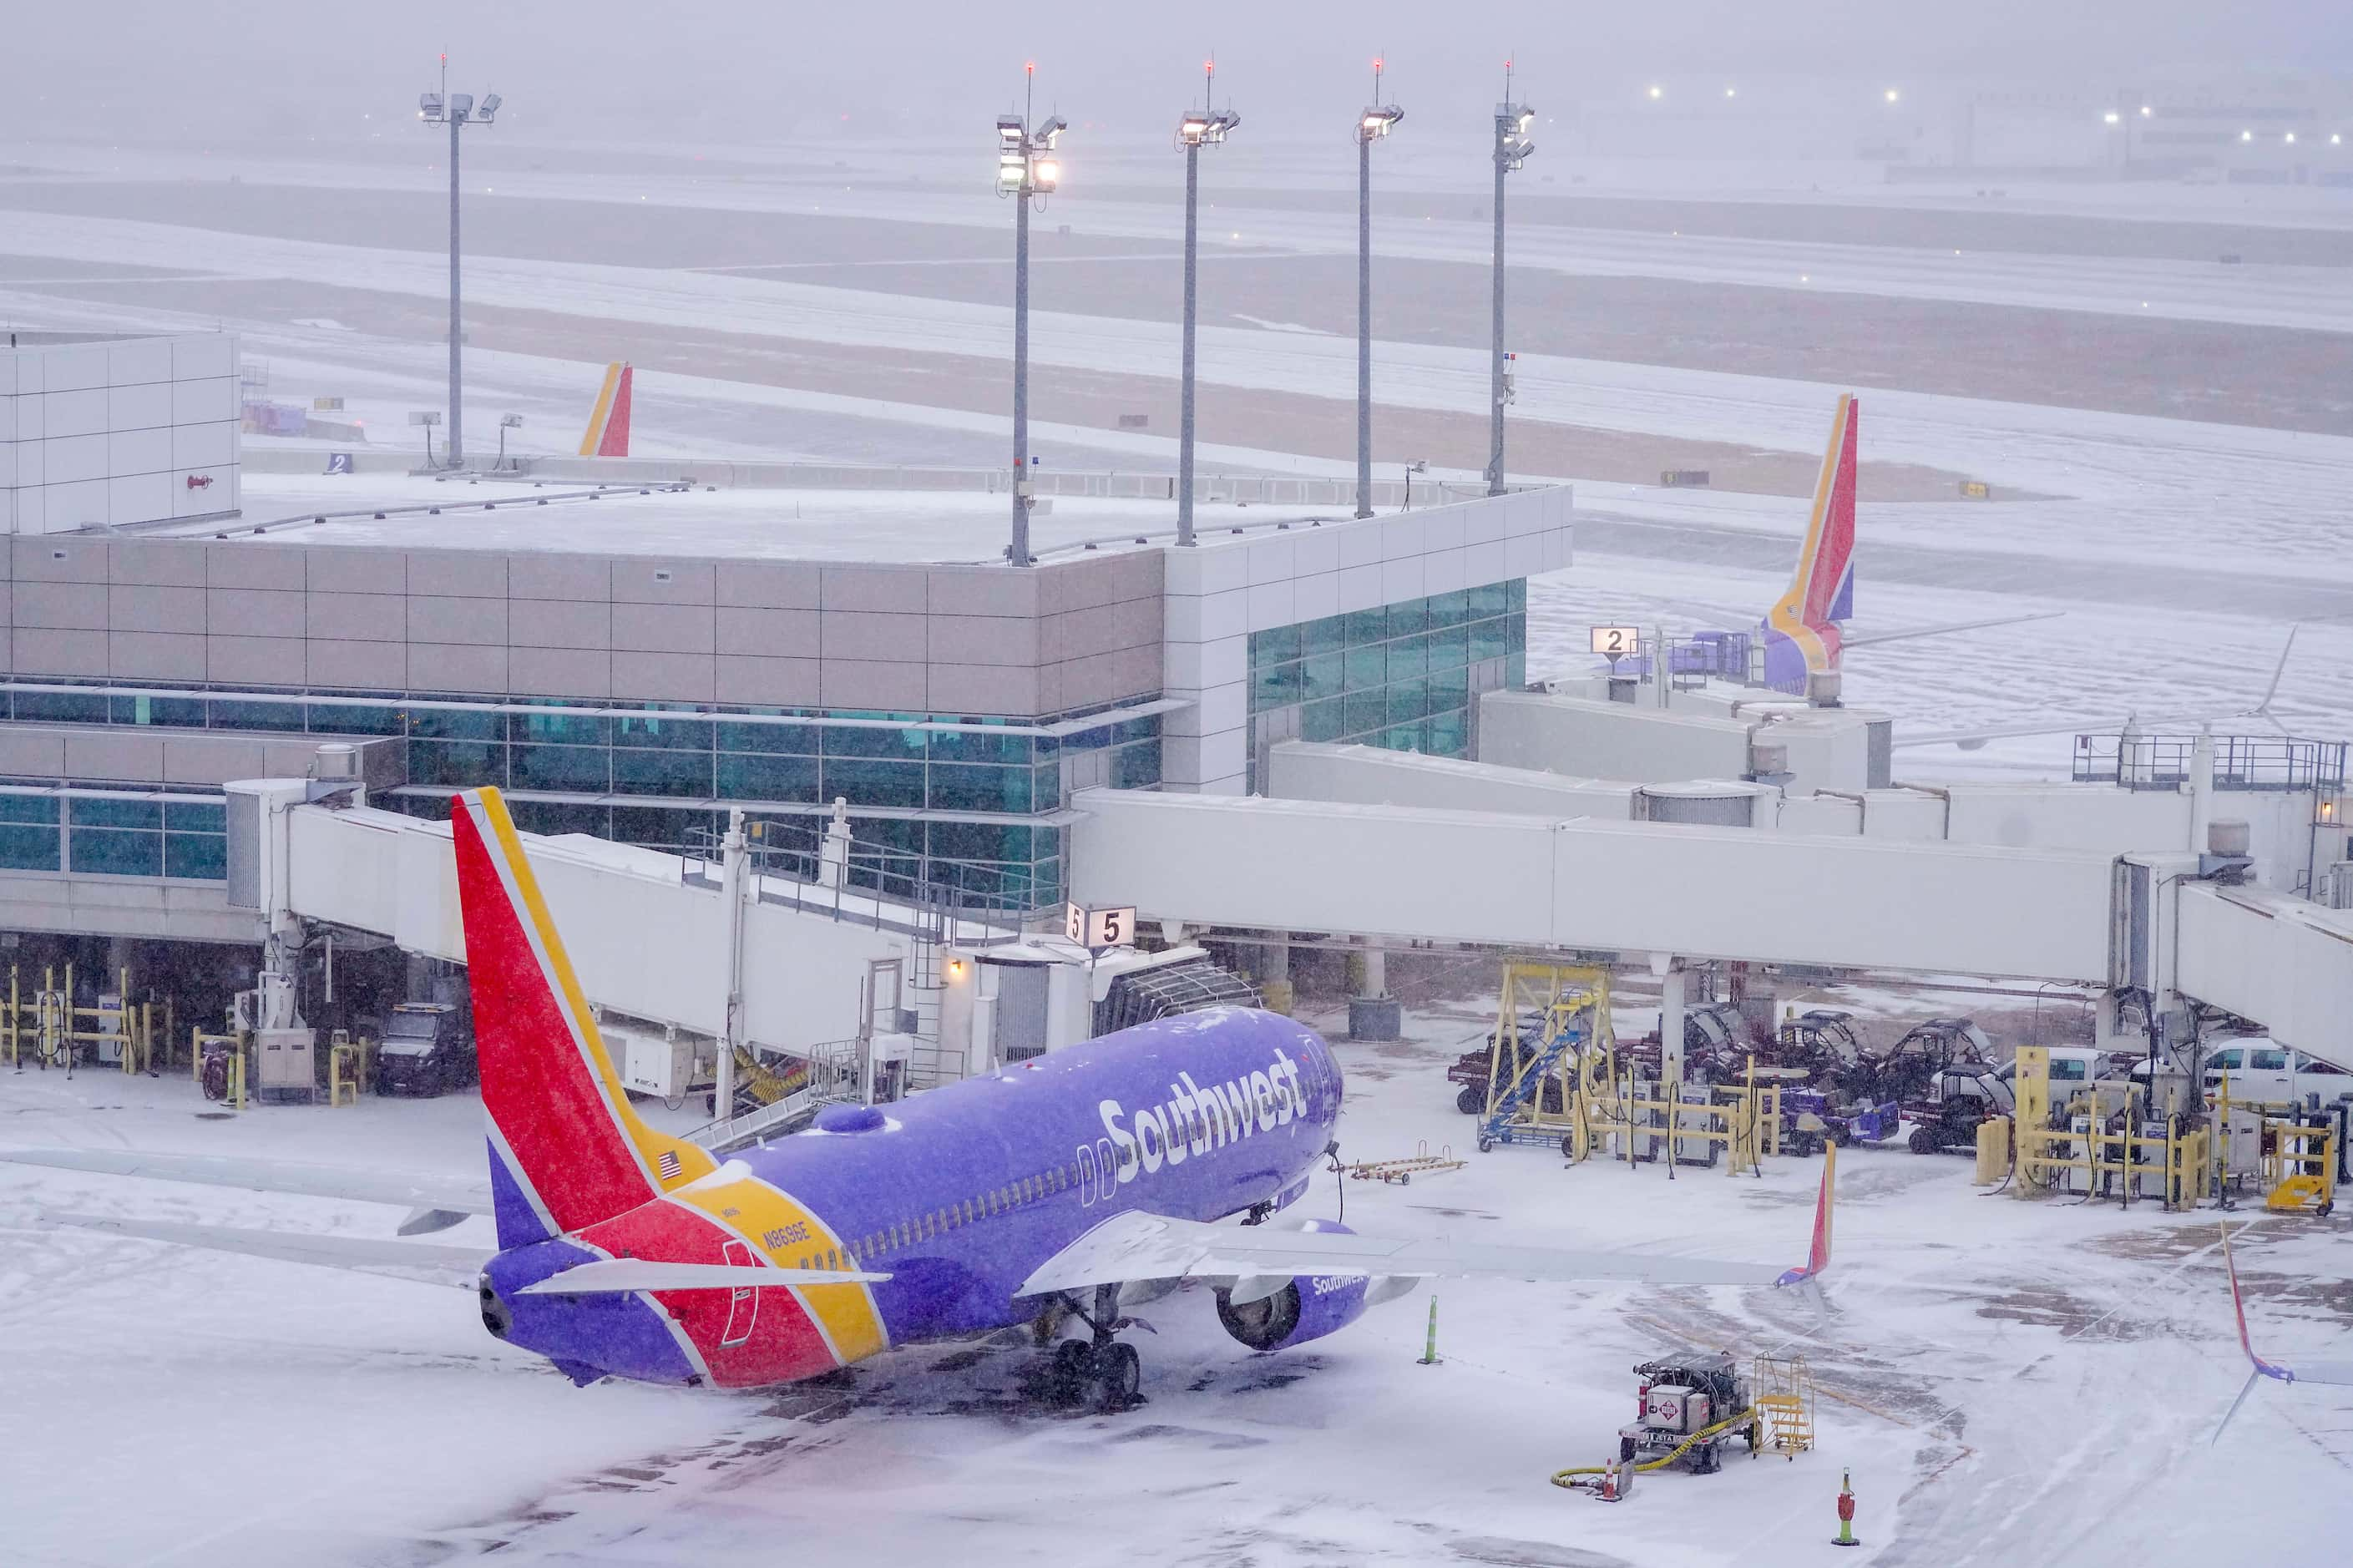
x,y
646,932
1575,883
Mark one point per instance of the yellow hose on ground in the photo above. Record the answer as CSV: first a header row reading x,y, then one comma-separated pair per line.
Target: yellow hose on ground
x,y
1559,1477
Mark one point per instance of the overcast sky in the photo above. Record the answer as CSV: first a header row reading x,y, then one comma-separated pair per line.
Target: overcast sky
x,y
573,69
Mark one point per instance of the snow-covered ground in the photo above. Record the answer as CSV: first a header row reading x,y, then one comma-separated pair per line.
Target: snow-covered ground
x,y
2005,1381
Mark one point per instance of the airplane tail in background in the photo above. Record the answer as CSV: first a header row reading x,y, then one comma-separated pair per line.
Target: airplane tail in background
x,y
567,1150
609,423
1817,1254
1804,622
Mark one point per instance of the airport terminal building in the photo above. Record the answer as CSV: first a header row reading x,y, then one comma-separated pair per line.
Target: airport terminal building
x,y
637,693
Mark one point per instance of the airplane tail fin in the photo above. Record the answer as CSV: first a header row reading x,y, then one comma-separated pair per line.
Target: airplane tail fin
x,y
609,423
1820,592
567,1150
1817,1254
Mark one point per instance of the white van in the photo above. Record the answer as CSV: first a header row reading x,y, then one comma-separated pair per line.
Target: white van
x,y
2265,1071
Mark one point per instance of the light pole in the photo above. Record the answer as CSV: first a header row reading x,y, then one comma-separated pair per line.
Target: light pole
x,y
457,111
1200,127
1027,171
1375,123
1512,150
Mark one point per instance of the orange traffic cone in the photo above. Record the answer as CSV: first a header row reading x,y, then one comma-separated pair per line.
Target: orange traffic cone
x,y
1845,1537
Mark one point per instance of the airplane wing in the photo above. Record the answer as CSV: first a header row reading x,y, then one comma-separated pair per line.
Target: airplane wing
x,y
2336,1373
629,1273
1853,640
1137,1245
434,1204
423,1261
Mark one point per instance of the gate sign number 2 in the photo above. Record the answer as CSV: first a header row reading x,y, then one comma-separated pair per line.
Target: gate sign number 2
x,y
1099,928
1617,642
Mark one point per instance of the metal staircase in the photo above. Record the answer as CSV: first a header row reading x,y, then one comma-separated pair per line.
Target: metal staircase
x,y
1783,1394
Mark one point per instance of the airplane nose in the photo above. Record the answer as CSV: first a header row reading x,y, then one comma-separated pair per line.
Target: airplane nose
x,y
495,1314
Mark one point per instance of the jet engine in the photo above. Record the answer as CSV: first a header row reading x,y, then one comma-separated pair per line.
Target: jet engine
x,y
1270,1312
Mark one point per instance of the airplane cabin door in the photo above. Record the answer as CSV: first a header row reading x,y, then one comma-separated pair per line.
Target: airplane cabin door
x,y
742,1301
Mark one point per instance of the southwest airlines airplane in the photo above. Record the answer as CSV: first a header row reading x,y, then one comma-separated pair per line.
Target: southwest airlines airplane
x,y
1053,1193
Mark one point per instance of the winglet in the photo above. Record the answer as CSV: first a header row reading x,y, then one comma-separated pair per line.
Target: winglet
x,y
2239,1308
607,435
1817,1256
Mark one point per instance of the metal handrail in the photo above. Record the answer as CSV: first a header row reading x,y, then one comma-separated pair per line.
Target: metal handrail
x,y
2240,762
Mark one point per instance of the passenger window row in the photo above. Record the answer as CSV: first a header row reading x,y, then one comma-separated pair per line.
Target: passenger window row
x,y
955,1217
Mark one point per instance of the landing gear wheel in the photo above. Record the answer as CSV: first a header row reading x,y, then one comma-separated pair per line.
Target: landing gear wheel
x,y
1118,1376
1923,1142
1470,1102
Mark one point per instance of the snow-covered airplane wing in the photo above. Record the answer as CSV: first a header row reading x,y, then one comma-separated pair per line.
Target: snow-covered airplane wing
x,y
619,1275
1853,640
434,1204
421,1260
1139,1246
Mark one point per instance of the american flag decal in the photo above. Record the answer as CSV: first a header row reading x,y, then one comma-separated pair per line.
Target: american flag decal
x,y
668,1164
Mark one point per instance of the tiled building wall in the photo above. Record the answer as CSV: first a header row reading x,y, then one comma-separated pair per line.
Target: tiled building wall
x,y
116,431
937,639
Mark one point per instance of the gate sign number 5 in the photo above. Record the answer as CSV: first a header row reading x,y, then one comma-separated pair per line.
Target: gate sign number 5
x,y
1617,642
1099,928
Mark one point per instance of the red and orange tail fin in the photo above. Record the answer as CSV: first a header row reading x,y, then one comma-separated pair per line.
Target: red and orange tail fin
x,y
609,423
567,1150
1820,592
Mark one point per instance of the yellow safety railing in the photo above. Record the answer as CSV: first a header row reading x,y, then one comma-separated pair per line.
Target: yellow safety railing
x,y
1745,1119
59,1029
347,1068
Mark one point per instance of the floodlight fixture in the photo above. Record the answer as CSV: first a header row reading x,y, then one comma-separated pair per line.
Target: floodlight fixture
x,y
457,111
1731,92
2246,135
2336,138
1513,147
2289,138
1375,123
1658,93
2146,111
1892,95
1027,172
2111,117
1204,127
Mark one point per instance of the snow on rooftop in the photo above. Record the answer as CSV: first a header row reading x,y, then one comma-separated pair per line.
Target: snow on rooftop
x,y
786,525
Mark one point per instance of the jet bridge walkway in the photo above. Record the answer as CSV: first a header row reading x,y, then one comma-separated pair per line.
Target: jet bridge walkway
x,y
1552,884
